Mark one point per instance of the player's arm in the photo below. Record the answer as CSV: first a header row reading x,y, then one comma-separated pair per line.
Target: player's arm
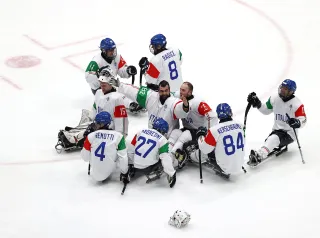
x,y
86,150
120,117
267,108
92,72
166,160
140,95
122,67
180,109
122,155
211,117
206,142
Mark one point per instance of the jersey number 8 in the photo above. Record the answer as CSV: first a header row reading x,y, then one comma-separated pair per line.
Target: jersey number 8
x,y
173,70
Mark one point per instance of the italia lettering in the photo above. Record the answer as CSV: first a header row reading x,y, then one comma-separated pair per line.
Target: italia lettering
x,y
280,117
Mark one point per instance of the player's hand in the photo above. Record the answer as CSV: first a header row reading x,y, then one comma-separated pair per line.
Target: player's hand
x,y
131,70
294,123
254,100
125,178
172,180
202,131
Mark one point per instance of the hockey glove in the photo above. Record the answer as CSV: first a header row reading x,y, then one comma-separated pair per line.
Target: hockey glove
x,y
172,180
125,178
135,107
131,70
254,100
144,64
90,128
202,131
294,123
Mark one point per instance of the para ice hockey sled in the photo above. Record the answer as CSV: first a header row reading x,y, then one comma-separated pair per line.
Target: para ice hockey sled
x,y
276,152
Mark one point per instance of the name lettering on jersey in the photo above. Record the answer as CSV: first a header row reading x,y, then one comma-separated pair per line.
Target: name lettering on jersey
x,y
188,120
101,135
168,55
229,128
280,117
152,133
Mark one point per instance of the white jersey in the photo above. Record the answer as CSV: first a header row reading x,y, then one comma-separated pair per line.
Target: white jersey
x,y
113,103
149,147
118,66
227,140
294,108
170,111
103,149
166,66
200,114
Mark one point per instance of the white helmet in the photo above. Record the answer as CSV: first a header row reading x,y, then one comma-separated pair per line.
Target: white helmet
x,y
107,76
179,219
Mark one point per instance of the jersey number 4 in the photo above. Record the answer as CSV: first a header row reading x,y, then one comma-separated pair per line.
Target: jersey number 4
x,y
144,141
173,70
229,146
99,152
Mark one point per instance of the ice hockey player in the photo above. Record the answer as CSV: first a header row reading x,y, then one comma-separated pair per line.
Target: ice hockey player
x,y
108,57
158,104
281,104
224,143
200,114
164,65
104,148
150,153
106,99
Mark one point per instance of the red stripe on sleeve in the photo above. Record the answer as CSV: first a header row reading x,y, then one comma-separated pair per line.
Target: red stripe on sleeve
x,y
87,144
153,71
209,139
134,140
120,111
174,116
203,108
300,112
122,62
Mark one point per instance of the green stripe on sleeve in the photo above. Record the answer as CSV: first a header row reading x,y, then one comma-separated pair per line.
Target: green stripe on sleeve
x,y
122,144
93,66
164,148
269,105
142,96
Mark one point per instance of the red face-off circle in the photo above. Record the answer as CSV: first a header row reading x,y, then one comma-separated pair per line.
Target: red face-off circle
x,y
23,61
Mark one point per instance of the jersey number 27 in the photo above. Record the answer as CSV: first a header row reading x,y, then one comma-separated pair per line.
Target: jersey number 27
x,y
144,141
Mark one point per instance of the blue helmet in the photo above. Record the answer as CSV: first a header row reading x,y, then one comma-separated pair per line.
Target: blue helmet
x,y
290,84
107,44
158,39
161,125
224,111
157,43
103,118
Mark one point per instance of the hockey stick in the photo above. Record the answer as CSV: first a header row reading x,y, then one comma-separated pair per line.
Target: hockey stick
x,y
245,117
140,77
89,167
133,79
295,133
200,166
124,188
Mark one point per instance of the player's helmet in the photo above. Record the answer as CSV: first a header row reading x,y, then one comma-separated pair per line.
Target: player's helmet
x,y
103,118
157,43
287,88
108,48
161,125
107,75
180,219
224,111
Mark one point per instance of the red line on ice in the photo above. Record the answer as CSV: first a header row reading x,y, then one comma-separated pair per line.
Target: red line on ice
x,y
9,81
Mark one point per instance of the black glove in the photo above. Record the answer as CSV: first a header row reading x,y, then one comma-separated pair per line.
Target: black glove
x,y
125,178
254,100
90,128
172,180
131,70
202,131
144,64
294,123
135,107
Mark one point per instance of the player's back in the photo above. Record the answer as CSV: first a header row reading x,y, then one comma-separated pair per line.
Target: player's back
x,y
148,143
168,63
104,146
230,145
